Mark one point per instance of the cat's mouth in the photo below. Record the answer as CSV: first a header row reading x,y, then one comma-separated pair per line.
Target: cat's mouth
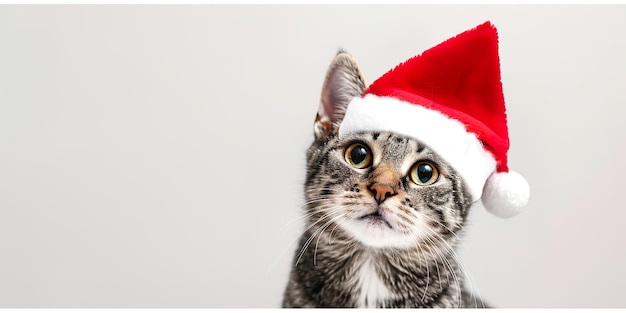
x,y
375,219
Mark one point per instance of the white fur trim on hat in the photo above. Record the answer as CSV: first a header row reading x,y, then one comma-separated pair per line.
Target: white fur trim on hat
x,y
506,194
446,136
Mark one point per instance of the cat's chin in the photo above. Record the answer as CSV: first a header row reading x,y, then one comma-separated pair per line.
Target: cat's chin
x,y
375,219
377,232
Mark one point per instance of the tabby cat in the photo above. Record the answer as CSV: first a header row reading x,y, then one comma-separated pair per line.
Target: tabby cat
x,y
383,214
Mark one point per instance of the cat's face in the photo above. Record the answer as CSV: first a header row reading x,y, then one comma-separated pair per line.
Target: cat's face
x,y
377,188
385,190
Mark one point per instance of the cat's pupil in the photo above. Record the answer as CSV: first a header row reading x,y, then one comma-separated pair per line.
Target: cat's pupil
x,y
424,172
358,155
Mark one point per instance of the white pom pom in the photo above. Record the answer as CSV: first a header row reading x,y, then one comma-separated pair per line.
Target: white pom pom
x,y
505,194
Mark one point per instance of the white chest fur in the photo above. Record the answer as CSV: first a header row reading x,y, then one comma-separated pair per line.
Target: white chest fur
x,y
372,289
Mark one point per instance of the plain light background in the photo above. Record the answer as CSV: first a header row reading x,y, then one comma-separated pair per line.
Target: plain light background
x,y
153,156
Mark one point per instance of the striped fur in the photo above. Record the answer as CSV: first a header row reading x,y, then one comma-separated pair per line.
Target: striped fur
x,y
343,260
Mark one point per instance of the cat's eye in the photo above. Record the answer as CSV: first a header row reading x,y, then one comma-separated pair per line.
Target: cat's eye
x,y
424,173
358,155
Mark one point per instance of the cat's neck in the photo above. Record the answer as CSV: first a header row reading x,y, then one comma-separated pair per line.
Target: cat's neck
x,y
342,272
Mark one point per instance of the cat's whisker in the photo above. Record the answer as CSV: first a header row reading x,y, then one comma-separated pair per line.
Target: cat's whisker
x,y
453,233
321,232
437,250
303,217
423,262
331,233
464,269
443,257
328,210
310,239
438,253
294,221
421,253
297,238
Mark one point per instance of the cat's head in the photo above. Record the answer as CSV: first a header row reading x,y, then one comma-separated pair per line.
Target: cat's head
x,y
378,188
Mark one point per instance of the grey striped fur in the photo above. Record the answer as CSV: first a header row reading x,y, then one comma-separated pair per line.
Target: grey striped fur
x,y
341,260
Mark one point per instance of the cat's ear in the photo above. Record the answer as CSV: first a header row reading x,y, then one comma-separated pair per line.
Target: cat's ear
x,y
343,82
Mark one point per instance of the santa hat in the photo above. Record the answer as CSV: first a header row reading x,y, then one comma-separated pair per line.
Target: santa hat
x,y
450,98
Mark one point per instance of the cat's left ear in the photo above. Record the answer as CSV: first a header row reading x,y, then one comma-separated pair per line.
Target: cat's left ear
x,y
343,82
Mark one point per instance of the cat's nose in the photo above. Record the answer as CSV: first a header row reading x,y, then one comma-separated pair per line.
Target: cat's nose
x,y
381,192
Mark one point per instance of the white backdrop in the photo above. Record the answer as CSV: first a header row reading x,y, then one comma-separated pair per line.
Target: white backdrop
x,y
153,156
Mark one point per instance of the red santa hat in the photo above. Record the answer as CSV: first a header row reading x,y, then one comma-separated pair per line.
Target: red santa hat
x,y
450,98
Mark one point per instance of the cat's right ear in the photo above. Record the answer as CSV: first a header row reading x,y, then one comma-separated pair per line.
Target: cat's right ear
x,y
343,82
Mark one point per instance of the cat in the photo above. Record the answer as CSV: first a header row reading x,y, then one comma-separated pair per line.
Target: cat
x,y
383,215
